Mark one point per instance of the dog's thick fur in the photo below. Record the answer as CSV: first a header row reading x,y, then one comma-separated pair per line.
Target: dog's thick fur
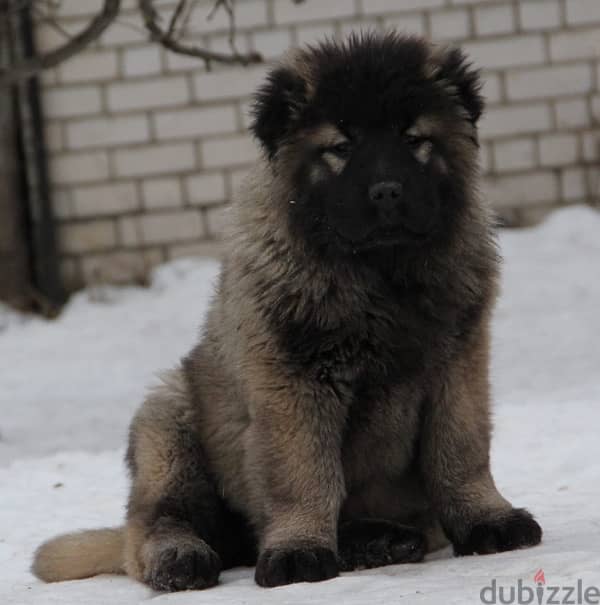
x,y
335,414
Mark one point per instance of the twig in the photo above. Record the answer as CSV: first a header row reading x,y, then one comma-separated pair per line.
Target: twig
x,y
228,7
175,18
157,34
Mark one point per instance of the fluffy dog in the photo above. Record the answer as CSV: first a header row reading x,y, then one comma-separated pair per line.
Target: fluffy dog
x,y
335,414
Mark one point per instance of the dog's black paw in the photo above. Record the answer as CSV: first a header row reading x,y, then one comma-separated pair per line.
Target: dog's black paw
x,y
279,566
374,543
186,566
517,529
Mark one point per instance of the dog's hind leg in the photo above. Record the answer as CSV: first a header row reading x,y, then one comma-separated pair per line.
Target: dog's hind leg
x,y
180,533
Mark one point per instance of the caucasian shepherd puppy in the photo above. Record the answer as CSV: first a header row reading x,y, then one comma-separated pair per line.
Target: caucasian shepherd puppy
x,y
335,414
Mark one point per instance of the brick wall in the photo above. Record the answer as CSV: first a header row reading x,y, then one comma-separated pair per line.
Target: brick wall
x,y
146,146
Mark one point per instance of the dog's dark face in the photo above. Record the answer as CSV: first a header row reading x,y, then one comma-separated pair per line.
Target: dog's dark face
x,y
377,137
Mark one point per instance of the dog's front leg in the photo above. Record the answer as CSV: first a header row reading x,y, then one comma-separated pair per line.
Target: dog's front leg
x,y
455,460
296,431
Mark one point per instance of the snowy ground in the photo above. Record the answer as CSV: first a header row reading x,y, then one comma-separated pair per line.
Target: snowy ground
x,y
68,389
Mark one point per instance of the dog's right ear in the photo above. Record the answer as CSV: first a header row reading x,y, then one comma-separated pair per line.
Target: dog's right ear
x,y
277,105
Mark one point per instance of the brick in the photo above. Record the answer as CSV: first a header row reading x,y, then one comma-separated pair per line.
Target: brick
x,y
485,158
70,274
49,77
311,34
459,2
379,7
571,113
78,8
206,188
492,87
71,101
505,121
79,168
315,10
521,189
237,179
171,227
229,151
148,93
573,184
217,219
116,268
357,27
533,16
89,66
565,46
514,154
142,61
187,123
106,132
221,43
590,145
580,12
183,63
62,206
549,81
409,23
161,193
121,33
117,198
219,21
208,249
558,150
271,44
507,52
245,111
228,83
450,24
53,136
595,108
154,160
251,13
498,19
47,38
129,231
87,237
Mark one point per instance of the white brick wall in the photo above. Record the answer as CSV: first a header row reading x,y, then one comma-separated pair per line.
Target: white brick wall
x,y
146,147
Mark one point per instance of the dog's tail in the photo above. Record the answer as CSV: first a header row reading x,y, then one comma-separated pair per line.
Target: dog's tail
x,y
80,555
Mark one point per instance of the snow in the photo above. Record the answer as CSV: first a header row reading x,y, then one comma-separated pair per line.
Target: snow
x,y
69,388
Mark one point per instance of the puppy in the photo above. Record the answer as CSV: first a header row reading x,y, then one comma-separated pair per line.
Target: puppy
x,y
336,412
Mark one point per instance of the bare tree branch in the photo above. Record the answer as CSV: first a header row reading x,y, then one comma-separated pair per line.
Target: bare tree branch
x,y
169,38
228,7
157,34
30,67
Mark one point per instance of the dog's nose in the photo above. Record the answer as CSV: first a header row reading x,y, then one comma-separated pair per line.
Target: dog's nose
x,y
385,195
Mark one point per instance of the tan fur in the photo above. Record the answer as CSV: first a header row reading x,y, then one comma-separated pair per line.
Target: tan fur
x,y
80,555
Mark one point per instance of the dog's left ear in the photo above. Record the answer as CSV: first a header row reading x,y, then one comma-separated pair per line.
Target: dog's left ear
x,y
277,105
455,70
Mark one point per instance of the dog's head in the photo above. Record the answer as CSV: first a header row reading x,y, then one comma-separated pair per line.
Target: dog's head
x,y
377,137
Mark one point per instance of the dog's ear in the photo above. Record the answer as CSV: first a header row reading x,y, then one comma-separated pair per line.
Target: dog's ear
x,y
463,80
277,105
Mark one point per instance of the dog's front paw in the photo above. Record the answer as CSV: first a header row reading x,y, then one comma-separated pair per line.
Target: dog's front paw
x,y
190,565
516,529
368,543
286,565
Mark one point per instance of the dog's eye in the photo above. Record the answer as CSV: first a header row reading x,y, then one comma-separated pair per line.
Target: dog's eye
x,y
341,150
415,141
